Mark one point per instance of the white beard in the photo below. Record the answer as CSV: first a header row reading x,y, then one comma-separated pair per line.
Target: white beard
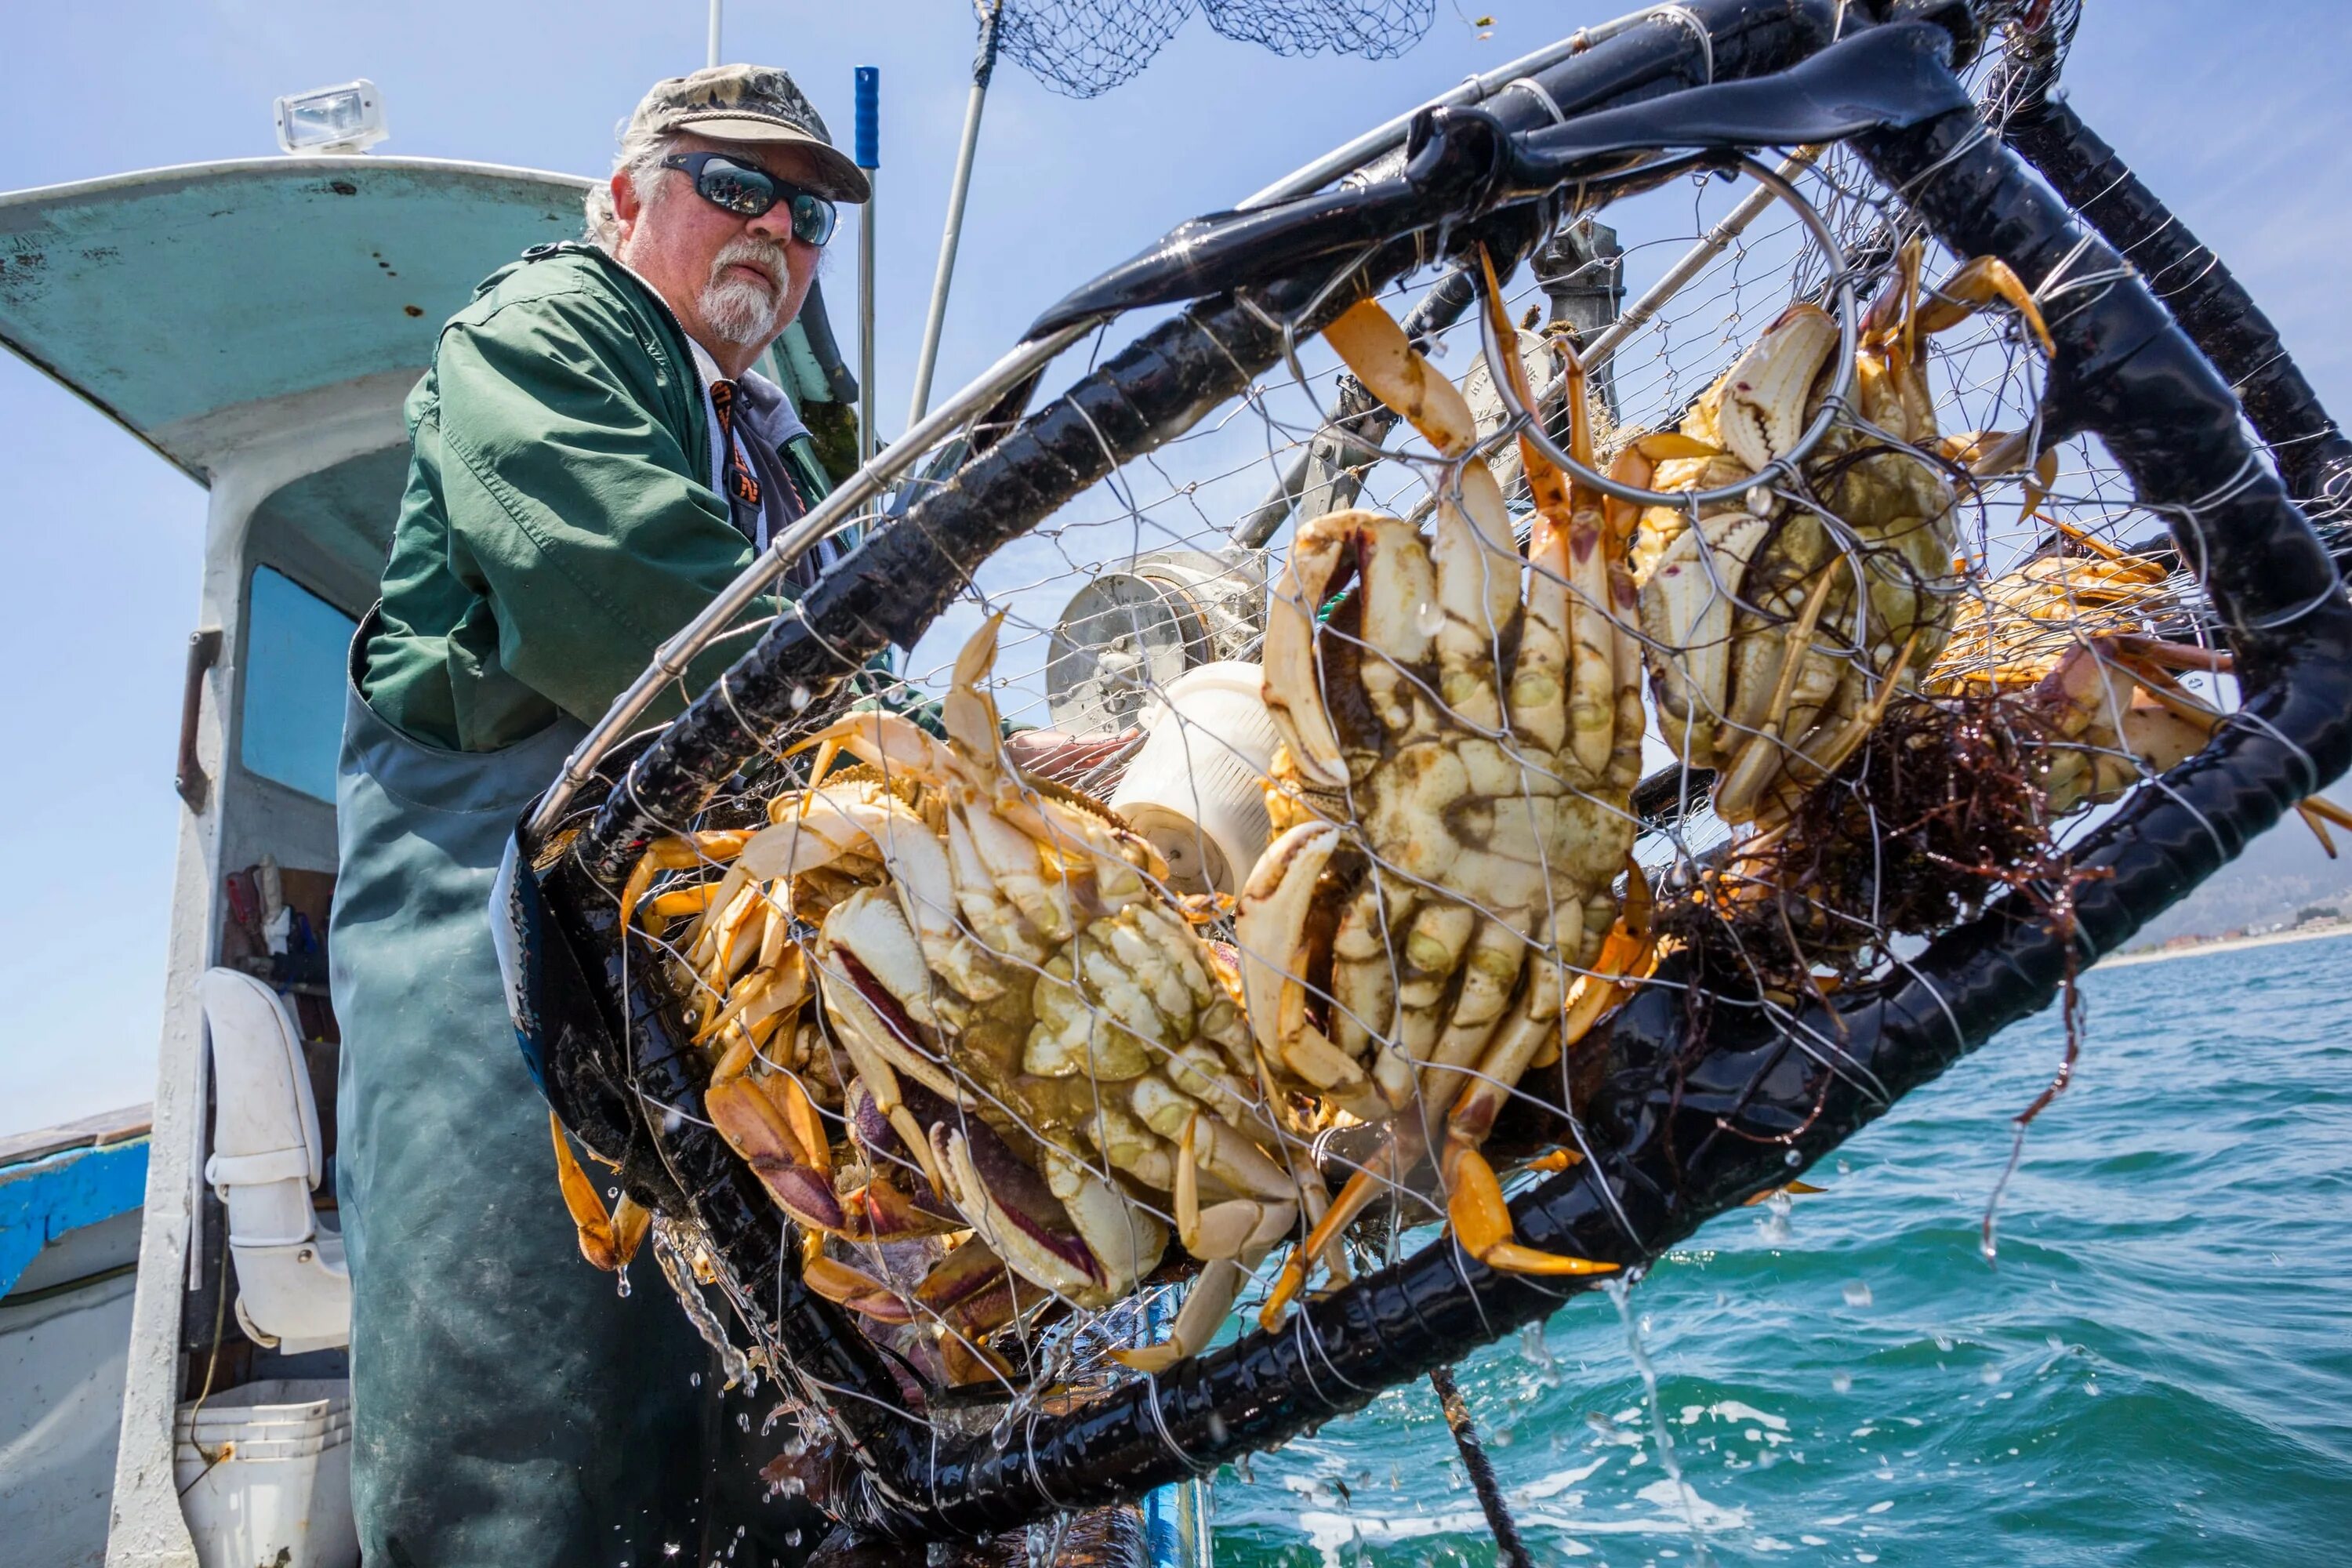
x,y
736,308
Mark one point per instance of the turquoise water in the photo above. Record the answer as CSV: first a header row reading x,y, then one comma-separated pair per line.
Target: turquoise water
x,y
2158,1370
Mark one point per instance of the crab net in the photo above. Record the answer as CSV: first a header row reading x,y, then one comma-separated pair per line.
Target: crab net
x,y
1083,48
1224,900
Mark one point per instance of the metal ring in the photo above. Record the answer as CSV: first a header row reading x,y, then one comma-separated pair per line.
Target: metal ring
x,y
1849,340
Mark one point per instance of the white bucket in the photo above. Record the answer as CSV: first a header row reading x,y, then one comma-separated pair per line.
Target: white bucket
x,y
1197,787
265,1475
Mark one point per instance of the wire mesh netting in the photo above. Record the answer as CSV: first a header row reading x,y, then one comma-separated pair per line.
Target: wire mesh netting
x,y
1215,905
1036,1057
1085,48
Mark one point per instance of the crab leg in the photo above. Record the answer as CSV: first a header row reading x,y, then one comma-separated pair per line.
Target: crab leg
x,y
1476,558
677,855
1760,759
608,1241
1481,1220
1402,1148
1204,1312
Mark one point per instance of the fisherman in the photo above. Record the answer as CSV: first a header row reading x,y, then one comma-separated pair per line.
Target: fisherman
x,y
593,458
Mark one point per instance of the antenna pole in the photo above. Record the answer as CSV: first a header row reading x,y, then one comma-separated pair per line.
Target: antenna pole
x,y
983,66
717,7
870,158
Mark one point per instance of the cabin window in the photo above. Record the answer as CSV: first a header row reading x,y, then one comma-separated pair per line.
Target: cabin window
x,y
295,646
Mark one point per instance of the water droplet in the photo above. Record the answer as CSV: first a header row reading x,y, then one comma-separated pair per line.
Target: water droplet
x,y
621,1281
2091,1386
1842,1382
1988,1376
694,1380
792,1537
1217,1431
742,1421
1791,1158
612,1193
1857,1293
797,697
1428,618
1846,1167
1532,1346
1943,1342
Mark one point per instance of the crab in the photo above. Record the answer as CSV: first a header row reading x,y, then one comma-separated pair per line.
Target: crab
x,y
1457,753
1779,630
2071,640
1037,1035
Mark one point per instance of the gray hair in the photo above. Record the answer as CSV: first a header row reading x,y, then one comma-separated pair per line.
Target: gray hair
x,y
642,151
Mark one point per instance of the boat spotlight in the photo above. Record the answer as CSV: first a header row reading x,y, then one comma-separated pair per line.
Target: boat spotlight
x,y
344,119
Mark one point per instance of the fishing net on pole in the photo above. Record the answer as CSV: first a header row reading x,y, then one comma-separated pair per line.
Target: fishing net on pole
x,y
1569,702
1083,48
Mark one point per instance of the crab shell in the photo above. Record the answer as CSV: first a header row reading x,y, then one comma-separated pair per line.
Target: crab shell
x,y
1726,596
2065,639
1014,988
1459,739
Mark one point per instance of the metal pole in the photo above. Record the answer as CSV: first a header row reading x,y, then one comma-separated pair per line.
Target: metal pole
x,y
1716,241
870,158
983,66
716,7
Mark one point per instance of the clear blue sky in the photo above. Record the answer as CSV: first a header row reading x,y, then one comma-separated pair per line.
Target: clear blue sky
x,y
2236,113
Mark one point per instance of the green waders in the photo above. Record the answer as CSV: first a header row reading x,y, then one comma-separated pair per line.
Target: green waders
x,y
511,1408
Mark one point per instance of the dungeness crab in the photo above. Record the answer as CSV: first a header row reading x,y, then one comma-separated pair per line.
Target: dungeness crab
x,y
1044,1052
1779,628
1460,738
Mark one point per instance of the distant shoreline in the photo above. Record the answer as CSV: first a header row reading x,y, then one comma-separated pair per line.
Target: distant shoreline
x,y
2230,945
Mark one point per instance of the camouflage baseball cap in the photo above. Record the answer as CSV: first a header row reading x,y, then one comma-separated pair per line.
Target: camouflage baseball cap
x,y
757,105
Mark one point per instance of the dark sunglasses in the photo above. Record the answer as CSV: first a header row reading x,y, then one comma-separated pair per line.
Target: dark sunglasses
x,y
748,192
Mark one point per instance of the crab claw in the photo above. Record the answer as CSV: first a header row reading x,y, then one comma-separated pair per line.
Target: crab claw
x,y
1481,1222
763,1135
858,1291
608,1241
1293,685
1270,932
1762,409
1687,611
1013,1210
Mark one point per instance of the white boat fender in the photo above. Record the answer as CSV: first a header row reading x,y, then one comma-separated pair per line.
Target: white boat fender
x,y
294,1292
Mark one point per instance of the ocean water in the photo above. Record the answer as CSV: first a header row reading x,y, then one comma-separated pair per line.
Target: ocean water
x,y
2157,1370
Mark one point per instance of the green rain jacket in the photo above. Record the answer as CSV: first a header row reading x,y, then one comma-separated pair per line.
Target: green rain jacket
x,y
559,525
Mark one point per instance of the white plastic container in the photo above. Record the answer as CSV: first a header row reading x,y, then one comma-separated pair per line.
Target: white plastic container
x,y
1197,787
266,1470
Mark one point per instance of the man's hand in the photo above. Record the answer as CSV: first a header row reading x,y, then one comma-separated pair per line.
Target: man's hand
x,y
1063,757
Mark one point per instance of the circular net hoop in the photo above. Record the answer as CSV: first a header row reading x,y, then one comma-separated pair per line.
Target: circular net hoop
x,y
1056,1059
1083,48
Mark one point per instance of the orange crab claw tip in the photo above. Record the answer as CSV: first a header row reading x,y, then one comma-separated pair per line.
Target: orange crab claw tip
x,y
1512,1259
1558,1160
